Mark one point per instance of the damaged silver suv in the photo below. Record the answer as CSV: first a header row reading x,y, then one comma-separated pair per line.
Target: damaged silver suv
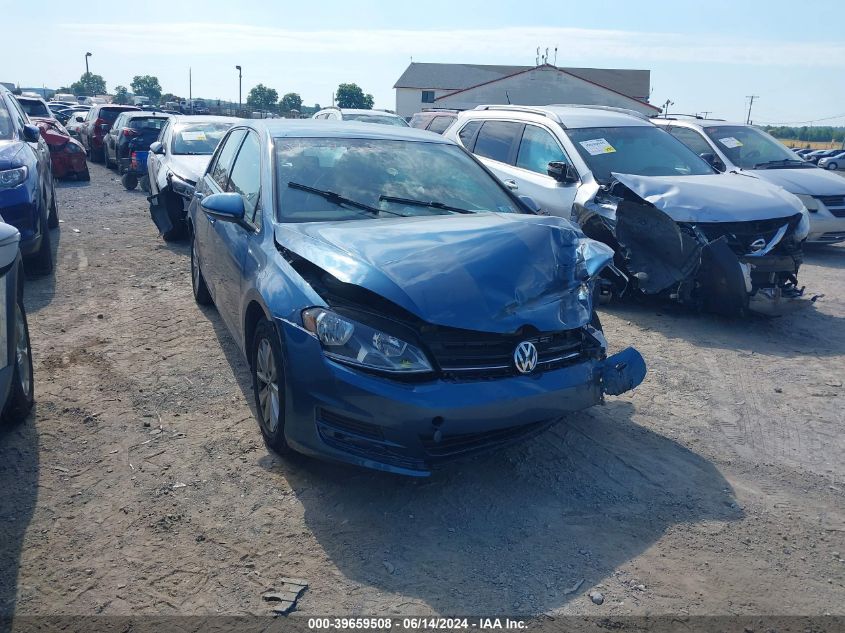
x,y
720,242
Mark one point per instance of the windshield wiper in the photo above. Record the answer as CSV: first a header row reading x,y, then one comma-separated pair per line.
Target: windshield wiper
x,y
423,203
782,161
338,199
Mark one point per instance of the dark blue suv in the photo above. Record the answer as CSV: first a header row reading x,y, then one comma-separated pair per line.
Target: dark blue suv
x,y
27,195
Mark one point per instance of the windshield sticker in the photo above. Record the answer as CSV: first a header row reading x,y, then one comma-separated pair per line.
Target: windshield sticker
x,y
598,146
193,136
730,142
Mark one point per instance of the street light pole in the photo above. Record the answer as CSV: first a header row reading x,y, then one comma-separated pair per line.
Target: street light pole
x,y
87,55
240,83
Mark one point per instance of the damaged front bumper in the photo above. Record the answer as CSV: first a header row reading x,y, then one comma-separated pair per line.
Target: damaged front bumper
x,y
339,413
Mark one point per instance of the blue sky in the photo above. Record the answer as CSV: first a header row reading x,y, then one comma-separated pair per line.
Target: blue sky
x,y
704,56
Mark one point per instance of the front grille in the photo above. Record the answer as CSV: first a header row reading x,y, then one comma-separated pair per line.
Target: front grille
x,y
837,212
740,235
831,201
449,446
469,354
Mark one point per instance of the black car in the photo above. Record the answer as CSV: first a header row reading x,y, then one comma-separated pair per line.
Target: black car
x,y
132,131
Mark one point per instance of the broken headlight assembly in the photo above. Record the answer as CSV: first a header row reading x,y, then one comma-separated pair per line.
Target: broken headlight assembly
x,y
811,203
803,228
352,343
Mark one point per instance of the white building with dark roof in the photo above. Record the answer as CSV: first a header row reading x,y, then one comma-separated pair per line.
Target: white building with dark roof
x,y
464,86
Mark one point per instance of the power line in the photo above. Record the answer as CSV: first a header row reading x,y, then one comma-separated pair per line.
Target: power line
x,y
828,118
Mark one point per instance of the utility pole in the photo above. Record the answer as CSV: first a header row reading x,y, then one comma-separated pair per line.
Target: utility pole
x,y
750,103
240,83
190,90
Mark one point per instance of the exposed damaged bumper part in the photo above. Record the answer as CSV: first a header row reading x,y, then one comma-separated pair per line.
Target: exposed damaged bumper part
x,y
718,266
336,412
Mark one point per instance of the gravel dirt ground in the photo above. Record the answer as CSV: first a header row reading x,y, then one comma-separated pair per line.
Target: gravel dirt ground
x,y
140,484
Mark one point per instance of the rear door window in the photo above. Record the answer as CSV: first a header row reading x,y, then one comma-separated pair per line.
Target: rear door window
x,y
497,140
468,133
223,163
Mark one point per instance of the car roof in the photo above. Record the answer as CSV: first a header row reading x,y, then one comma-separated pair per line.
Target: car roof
x,y
146,114
365,111
199,118
311,128
570,116
696,122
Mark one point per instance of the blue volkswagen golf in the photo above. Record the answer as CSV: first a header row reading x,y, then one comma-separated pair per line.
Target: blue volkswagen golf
x,y
397,305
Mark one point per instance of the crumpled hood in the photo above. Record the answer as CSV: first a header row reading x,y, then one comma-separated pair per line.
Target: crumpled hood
x,y
8,153
809,182
486,272
729,197
188,166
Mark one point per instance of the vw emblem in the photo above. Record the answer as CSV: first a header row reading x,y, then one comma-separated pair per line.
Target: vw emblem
x,y
758,245
525,357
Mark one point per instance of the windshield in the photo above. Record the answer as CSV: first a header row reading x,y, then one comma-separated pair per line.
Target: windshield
x,y
384,119
749,148
382,177
35,107
198,138
642,150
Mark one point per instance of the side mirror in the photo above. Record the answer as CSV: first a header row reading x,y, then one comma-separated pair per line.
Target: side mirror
x,y
228,207
532,205
713,160
157,148
31,133
562,172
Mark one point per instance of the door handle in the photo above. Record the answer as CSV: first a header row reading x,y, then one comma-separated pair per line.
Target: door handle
x,y
510,183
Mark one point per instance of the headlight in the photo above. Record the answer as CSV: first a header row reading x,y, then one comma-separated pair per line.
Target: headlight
x,y
803,228
12,177
354,343
811,203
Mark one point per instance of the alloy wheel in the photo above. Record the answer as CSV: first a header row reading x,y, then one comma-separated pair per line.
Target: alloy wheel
x,y
268,385
22,353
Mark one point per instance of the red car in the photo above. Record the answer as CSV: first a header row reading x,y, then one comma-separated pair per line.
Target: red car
x,y
66,154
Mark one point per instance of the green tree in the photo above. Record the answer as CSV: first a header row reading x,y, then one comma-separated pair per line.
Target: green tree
x,y
89,84
121,94
351,96
148,86
291,101
262,98
169,96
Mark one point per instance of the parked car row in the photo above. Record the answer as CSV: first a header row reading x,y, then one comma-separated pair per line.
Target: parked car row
x,y
29,210
359,267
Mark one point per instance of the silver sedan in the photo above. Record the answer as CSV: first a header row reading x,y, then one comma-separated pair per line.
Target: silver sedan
x,y
837,161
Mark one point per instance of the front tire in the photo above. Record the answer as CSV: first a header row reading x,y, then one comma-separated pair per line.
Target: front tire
x,y
22,391
832,166
201,294
268,385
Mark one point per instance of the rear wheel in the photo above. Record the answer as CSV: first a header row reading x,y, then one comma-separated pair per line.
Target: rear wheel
x,y
41,262
53,218
268,385
201,293
84,176
22,390
129,181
